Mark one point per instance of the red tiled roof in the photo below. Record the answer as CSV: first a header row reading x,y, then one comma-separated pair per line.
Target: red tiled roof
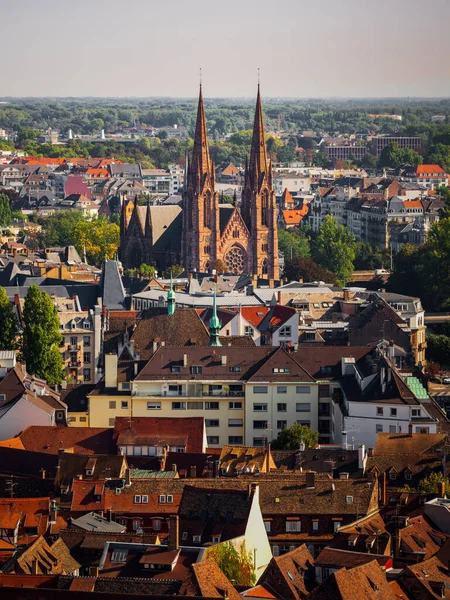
x,y
287,198
160,431
429,171
254,314
83,440
293,217
259,591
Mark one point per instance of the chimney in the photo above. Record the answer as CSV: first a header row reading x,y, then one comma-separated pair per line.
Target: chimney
x,y
216,468
42,473
185,357
223,360
193,472
310,480
128,477
441,489
174,467
370,452
136,367
34,567
155,346
108,473
108,515
279,297
362,457
210,468
174,531
93,571
110,370
346,294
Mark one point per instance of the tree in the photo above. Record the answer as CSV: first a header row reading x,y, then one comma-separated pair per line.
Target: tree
x,y
5,211
236,566
146,271
9,330
175,270
367,257
431,484
100,238
41,337
304,268
335,249
393,156
440,155
59,229
438,349
219,265
291,438
293,243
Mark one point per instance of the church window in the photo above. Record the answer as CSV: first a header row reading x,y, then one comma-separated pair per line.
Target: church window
x,y
207,210
236,233
265,207
264,267
235,260
207,249
264,247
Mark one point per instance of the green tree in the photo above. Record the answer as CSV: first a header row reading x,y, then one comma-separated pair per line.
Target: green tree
x,y
291,438
440,155
438,349
335,249
236,566
174,269
293,243
100,238
431,484
393,156
9,329
307,270
5,211
146,271
59,229
41,336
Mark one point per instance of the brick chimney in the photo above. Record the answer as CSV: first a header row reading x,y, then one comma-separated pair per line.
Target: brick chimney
x,y
193,471
128,477
441,489
174,531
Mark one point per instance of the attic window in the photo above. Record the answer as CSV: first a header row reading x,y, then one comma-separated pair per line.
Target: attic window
x,y
290,575
281,370
119,555
176,369
408,476
349,499
196,538
196,370
235,369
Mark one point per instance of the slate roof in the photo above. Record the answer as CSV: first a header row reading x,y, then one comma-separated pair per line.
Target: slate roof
x,y
112,291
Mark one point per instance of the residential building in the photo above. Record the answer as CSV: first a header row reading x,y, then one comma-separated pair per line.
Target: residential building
x,y
379,143
429,176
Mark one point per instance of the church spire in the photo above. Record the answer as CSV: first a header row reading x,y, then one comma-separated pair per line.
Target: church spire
x,y
214,325
200,161
258,155
171,298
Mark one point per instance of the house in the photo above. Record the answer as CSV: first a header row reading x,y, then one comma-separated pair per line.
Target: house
x,y
207,580
235,460
23,520
430,176
292,218
291,575
83,440
331,560
89,467
427,580
42,559
419,540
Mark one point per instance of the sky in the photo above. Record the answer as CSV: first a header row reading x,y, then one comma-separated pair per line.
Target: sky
x,y
319,48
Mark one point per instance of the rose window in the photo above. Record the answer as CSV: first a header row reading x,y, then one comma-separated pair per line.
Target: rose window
x,y
235,260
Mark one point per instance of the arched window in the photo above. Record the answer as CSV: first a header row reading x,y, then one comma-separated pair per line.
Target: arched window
x,y
264,267
264,207
207,210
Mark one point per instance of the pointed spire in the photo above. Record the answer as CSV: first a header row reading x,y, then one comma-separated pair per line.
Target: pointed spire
x,y
171,298
214,325
258,155
201,161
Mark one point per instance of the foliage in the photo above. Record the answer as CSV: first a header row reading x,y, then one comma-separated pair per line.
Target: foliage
x,y
290,438
174,269
100,238
9,330
368,257
41,336
430,484
5,211
335,249
306,269
438,349
393,156
144,271
59,229
440,155
219,266
293,243
236,566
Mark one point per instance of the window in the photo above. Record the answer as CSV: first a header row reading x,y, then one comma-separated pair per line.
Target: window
x,y
86,325
212,439
83,419
212,405
196,538
285,331
248,331
281,424
304,423
178,405
259,441
125,386
235,405
259,424
259,407
392,476
156,525
293,526
260,389
124,404
324,391
195,405
276,550
408,476
153,405
392,429
393,412
235,369
303,407
175,369
137,499
349,499
86,374
303,389
112,404
379,428
87,340
415,412
281,370
281,407
184,536
162,499
211,422
196,370
267,526
144,499
379,411
235,422
337,524
315,525
169,499
86,357
235,439
282,389
112,422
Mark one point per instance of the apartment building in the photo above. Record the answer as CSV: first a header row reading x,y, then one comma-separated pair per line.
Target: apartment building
x,y
345,152
429,176
379,143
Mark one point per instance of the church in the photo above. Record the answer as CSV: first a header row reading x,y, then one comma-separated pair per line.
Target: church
x,y
203,233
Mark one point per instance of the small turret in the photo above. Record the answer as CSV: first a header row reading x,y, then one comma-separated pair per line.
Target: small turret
x,y
214,325
171,298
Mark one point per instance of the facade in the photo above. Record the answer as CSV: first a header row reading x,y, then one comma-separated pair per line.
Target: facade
x,y
379,143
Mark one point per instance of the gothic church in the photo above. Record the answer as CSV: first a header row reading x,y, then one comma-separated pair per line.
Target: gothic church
x,y
243,239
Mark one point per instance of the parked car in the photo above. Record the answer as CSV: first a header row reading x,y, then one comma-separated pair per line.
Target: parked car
x,y
435,379
446,380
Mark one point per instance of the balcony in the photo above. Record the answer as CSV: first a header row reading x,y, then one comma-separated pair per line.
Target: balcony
x,y
191,394
74,364
73,347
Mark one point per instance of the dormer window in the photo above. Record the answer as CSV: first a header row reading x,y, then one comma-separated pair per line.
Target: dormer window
x,y
196,539
176,369
196,370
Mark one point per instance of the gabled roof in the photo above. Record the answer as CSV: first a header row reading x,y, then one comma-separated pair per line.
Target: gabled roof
x,y
254,314
420,537
87,440
281,366
286,198
277,316
294,217
414,443
286,573
111,286
187,432
207,580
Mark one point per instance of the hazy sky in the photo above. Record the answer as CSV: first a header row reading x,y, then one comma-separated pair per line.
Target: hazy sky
x,y
155,48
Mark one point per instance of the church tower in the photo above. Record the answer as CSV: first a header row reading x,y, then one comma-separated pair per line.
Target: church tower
x,y
201,203
259,204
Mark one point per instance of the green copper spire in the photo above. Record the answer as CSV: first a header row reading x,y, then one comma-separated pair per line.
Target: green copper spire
x,y
171,298
214,325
